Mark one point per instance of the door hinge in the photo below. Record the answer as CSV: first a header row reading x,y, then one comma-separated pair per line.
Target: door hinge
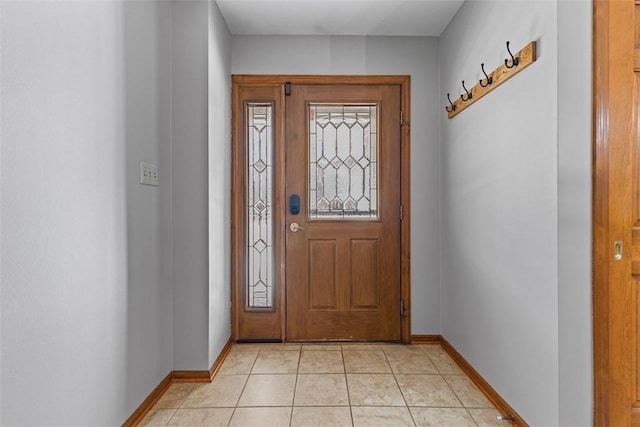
x,y
401,118
287,88
401,307
401,213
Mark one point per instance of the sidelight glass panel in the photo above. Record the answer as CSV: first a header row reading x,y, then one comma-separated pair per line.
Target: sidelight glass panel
x,y
259,201
343,161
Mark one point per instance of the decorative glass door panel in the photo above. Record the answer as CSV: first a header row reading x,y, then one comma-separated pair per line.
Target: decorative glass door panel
x,y
256,221
343,161
259,206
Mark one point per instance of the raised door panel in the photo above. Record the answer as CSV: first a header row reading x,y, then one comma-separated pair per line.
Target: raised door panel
x,y
322,275
365,273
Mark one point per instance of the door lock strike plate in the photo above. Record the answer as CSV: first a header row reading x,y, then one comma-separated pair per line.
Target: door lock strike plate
x,y
618,250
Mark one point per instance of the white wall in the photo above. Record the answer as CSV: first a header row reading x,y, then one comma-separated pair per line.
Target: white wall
x,y
515,262
219,182
414,56
86,307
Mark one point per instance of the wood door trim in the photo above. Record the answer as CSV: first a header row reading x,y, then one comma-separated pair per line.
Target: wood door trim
x,y
405,173
405,200
260,80
614,316
600,212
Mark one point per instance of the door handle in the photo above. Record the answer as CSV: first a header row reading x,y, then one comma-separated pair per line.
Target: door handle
x,y
295,227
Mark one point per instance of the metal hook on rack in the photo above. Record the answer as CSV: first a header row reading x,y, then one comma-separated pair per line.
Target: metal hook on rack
x,y
487,78
469,94
452,108
514,61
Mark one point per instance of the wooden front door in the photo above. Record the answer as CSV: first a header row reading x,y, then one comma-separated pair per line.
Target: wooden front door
x,y
616,213
320,208
343,237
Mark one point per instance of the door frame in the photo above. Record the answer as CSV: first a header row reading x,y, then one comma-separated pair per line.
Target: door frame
x,y
237,201
614,160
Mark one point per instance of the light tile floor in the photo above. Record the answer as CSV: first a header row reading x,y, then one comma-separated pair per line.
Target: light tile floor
x,y
322,385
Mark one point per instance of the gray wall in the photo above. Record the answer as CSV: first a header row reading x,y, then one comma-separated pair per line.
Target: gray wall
x,y
189,48
86,307
499,206
574,209
414,56
201,108
102,277
147,117
219,182
515,208
98,271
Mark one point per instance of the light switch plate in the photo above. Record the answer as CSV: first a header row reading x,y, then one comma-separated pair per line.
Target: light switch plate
x,y
148,174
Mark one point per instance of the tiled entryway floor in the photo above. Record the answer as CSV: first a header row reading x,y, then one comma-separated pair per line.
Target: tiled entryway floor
x,y
325,385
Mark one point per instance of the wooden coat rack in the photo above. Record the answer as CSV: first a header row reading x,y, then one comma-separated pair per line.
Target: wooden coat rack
x,y
512,66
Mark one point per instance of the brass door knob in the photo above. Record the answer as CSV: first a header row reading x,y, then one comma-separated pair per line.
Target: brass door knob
x,y
295,227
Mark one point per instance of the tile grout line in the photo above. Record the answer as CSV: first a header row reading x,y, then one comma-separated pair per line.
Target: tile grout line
x,y
346,382
472,419
400,388
170,418
457,397
454,392
460,399
193,386
295,387
434,363
244,386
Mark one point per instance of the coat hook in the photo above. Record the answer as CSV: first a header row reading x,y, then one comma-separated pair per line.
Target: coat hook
x,y
452,108
489,79
469,94
514,61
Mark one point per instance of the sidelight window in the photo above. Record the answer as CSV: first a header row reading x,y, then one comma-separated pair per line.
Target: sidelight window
x,y
260,275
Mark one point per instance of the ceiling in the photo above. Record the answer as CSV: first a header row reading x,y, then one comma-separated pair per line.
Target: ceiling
x,y
339,17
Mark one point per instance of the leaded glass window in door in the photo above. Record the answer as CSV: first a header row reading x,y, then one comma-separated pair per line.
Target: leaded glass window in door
x,y
343,162
260,277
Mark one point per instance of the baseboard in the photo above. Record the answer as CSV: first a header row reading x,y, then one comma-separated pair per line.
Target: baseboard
x,y
501,405
191,377
204,376
213,370
177,377
148,403
425,339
